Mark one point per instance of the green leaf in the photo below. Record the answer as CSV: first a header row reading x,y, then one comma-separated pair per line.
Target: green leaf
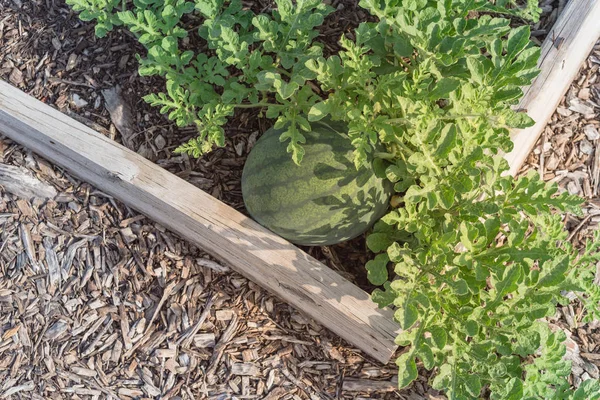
x,y
396,172
395,252
460,286
443,88
402,47
519,120
407,369
406,315
377,242
554,273
515,390
473,385
297,152
439,336
518,39
443,377
447,141
319,111
384,298
286,90
510,277
377,269
169,44
101,30
208,8
425,354
472,327
446,196
476,69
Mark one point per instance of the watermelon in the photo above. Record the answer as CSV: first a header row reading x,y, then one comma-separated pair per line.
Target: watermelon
x,y
325,200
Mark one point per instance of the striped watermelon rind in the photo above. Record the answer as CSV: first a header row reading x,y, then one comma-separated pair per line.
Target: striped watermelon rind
x,y
325,200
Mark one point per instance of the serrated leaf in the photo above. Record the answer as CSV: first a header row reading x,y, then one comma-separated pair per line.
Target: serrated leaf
x,y
508,282
553,273
447,141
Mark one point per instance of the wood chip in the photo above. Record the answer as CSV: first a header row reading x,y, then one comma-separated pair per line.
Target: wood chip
x,y
56,330
203,340
591,132
16,77
120,114
72,62
581,107
248,369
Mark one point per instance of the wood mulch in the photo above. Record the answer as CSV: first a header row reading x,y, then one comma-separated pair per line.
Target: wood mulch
x,y
97,301
569,153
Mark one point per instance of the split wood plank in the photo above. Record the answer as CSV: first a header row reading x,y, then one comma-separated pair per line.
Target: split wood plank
x,y
225,233
566,47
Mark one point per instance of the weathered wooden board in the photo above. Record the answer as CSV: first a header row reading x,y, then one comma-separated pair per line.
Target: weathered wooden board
x,y
567,46
255,252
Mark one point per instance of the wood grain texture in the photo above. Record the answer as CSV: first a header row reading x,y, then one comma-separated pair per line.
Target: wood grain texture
x,y
567,46
250,249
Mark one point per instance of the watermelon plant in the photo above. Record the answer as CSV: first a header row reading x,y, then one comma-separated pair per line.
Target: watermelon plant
x,y
472,260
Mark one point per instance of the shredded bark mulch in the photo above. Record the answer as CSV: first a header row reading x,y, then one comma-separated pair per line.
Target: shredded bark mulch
x,y
96,301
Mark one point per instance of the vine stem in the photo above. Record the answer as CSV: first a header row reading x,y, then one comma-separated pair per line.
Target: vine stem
x,y
463,116
384,155
254,105
284,72
398,121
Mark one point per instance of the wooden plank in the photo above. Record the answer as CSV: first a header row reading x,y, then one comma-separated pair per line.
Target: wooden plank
x,y
567,46
255,252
